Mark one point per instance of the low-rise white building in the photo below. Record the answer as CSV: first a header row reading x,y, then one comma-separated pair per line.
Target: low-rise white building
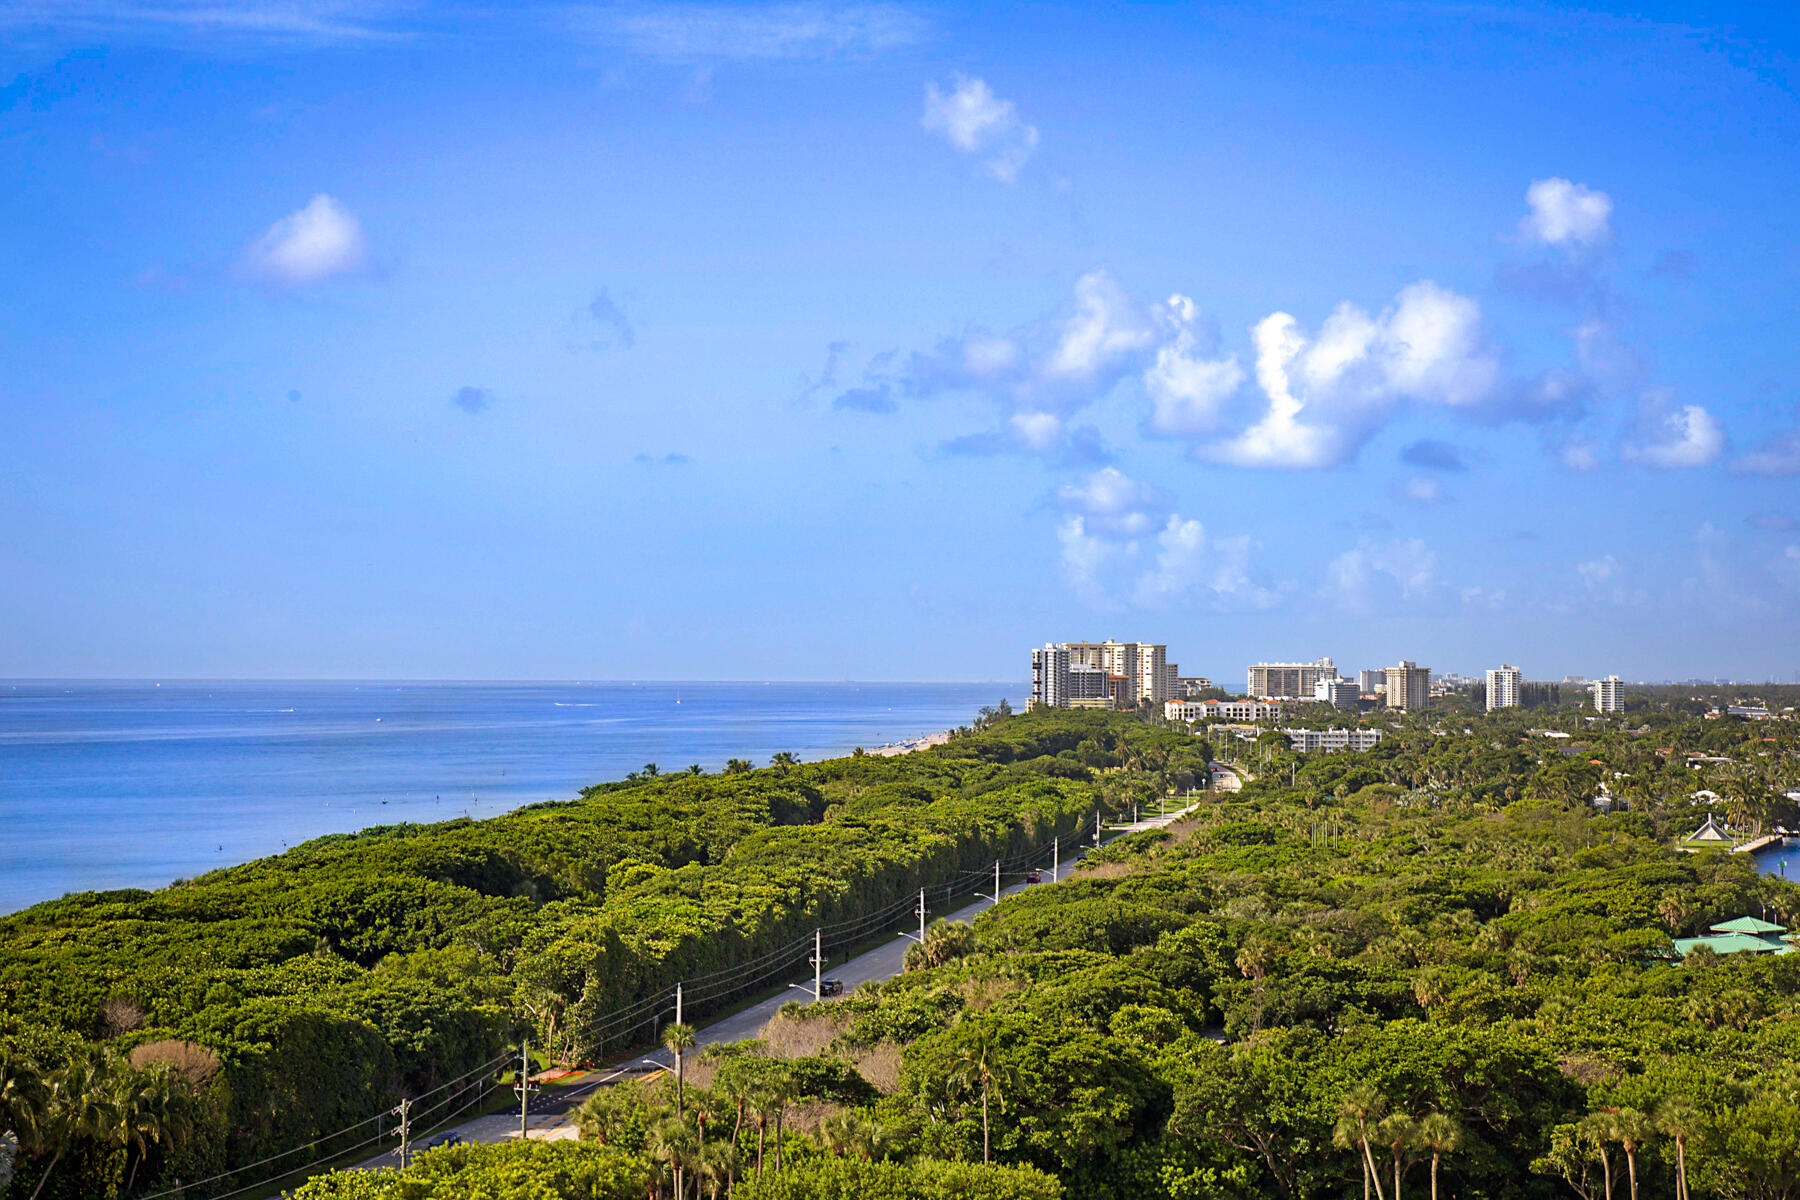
x,y
1228,710
1328,741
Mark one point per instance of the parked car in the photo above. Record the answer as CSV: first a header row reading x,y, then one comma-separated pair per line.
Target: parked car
x,y
831,987
1034,877
452,1138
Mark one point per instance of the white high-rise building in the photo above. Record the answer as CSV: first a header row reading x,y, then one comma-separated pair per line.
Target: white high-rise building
x,y
1503,688
1339,693
1288,681
1372,682
1101,674
1609,694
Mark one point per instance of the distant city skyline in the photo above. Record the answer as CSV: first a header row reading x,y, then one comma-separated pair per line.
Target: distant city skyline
x,y
861,341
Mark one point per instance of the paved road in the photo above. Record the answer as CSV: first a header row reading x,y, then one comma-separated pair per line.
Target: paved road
x,y
551,1112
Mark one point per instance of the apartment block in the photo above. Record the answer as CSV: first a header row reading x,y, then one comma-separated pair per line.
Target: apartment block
x,y
1608,694
1229,710
1106,674
1408,686
1329,741
1288,681
1339,693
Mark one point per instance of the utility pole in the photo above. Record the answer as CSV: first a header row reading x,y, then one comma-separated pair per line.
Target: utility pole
x,y
996,881
524,1085
1055,857
405,1111
921,916
1096,828
678,1004
818,964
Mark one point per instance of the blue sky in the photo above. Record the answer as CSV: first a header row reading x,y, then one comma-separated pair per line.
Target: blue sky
x,y
885,341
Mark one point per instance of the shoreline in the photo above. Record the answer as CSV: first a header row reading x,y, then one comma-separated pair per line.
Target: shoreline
x,y
922,742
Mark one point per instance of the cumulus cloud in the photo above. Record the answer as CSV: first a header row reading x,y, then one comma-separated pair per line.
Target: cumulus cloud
x,y
317,242
974,120
1188,390
1566,214
1189,564
1375,575
1114,503
1038,375
1327,393
1668,436
750,32
1107,562
1779,455
472,400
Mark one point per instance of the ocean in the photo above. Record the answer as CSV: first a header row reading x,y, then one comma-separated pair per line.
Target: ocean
x,y
136,784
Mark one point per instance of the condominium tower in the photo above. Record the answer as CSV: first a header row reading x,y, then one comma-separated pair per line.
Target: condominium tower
x,y
1608,694
1503,688
1106,674
1408,685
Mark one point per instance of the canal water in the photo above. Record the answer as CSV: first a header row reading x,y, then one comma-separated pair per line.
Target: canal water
x,y
1781,861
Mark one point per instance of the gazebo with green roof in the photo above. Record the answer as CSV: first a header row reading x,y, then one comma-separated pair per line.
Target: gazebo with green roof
x,y
1744,935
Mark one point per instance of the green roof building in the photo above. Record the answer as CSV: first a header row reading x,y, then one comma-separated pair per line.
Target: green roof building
x,y
1745,935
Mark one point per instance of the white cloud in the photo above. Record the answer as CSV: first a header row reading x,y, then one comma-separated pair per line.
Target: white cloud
x,y
1188,391
1189,564
1041,373
1037,431
1374,575
1668,436
1566,214
750,32
975,121
1780,455
1091,563
321,240
1115,503
1108,512
1327,394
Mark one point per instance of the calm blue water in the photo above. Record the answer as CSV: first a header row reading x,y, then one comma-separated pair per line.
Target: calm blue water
x,y
1783,863
136,784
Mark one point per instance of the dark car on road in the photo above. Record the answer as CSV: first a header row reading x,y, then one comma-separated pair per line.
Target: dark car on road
x,y
1034,877
452,1138
831,987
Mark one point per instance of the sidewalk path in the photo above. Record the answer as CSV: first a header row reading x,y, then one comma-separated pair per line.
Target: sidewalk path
x,y
552,1111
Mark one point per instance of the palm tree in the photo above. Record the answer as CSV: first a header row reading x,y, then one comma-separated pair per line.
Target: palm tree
x,y
719,1165
1359,1110
1399,1133
79,1108
784,761
736,766
145,1113
695,769
1441,1134
1598,1130
678,1038
1680,1119
22,1094
979,1064
1631,1129
672,1141
602,1115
